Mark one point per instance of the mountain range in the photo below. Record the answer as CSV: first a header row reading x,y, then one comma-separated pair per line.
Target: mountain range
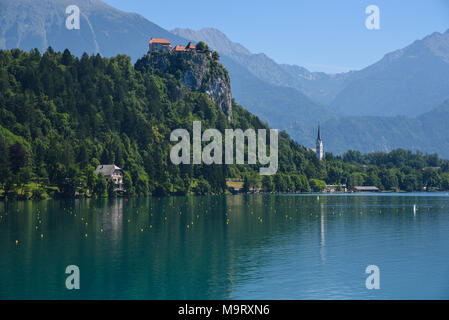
x,y
397,102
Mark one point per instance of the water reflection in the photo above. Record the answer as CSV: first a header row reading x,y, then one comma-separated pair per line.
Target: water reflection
x,y
221,247
322,232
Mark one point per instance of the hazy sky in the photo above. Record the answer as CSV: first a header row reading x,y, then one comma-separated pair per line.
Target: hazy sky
x,y
321,35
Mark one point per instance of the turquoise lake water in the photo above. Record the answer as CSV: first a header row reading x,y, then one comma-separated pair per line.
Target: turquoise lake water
x,y
227,247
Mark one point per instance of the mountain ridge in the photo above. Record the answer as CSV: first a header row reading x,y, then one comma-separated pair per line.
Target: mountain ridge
x,y
28,25
289,97
409,81
348,129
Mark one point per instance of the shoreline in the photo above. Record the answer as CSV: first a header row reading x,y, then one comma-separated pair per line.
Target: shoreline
x,y
159,197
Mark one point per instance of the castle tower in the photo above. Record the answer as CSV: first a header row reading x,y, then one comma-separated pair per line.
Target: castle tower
x,y
319,145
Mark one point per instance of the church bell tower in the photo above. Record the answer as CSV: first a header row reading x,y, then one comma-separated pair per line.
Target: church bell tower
x,y
319,145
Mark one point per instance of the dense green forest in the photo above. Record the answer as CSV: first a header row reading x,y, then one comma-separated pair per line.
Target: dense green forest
x,y
61,116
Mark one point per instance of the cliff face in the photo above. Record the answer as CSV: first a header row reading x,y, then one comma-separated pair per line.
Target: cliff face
x,y
198,73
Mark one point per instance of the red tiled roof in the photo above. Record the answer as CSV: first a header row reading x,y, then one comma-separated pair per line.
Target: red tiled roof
x,y
190,46
161,41
180,48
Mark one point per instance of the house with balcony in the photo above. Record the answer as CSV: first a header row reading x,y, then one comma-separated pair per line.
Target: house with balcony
x,y
112,173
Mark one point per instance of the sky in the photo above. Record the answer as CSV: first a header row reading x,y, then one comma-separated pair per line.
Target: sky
x,y
321,35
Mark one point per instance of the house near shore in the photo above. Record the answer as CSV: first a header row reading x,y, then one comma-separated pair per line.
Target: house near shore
x,y
235,185
112,173
336,188
365,189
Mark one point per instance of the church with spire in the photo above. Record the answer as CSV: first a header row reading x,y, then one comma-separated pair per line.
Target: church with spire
x,y
319,145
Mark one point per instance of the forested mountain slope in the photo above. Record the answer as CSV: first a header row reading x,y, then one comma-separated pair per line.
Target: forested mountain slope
x,y
61,116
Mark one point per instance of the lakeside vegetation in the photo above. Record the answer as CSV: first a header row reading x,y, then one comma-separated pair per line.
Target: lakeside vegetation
x,y
61,116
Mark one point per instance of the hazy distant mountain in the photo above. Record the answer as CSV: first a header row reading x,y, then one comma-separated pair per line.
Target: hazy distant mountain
x,y
320,87
272,91
258,64
427,132
376,107
215,39
407,82
276,105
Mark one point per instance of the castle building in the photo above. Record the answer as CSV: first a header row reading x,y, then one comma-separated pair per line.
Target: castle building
x,y
319,146
190,46
179,49
159,45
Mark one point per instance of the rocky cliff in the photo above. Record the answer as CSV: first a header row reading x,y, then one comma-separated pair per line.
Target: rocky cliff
x,y
199,72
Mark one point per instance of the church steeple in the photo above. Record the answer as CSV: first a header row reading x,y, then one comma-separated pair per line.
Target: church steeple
x,y
319,132
319,145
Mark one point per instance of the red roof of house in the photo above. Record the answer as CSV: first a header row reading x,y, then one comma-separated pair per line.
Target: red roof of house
x,y
180,48
161,41
190,46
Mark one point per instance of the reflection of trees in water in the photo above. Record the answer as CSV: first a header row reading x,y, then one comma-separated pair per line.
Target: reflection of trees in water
x,y
196,247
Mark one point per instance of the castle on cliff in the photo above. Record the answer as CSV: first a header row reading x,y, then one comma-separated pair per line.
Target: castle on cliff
x,y
164,45
197,73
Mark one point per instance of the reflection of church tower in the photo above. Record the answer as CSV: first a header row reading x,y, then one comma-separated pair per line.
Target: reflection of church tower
x,y
319,145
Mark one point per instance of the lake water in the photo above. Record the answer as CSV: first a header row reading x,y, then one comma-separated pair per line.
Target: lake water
x,y
227,247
